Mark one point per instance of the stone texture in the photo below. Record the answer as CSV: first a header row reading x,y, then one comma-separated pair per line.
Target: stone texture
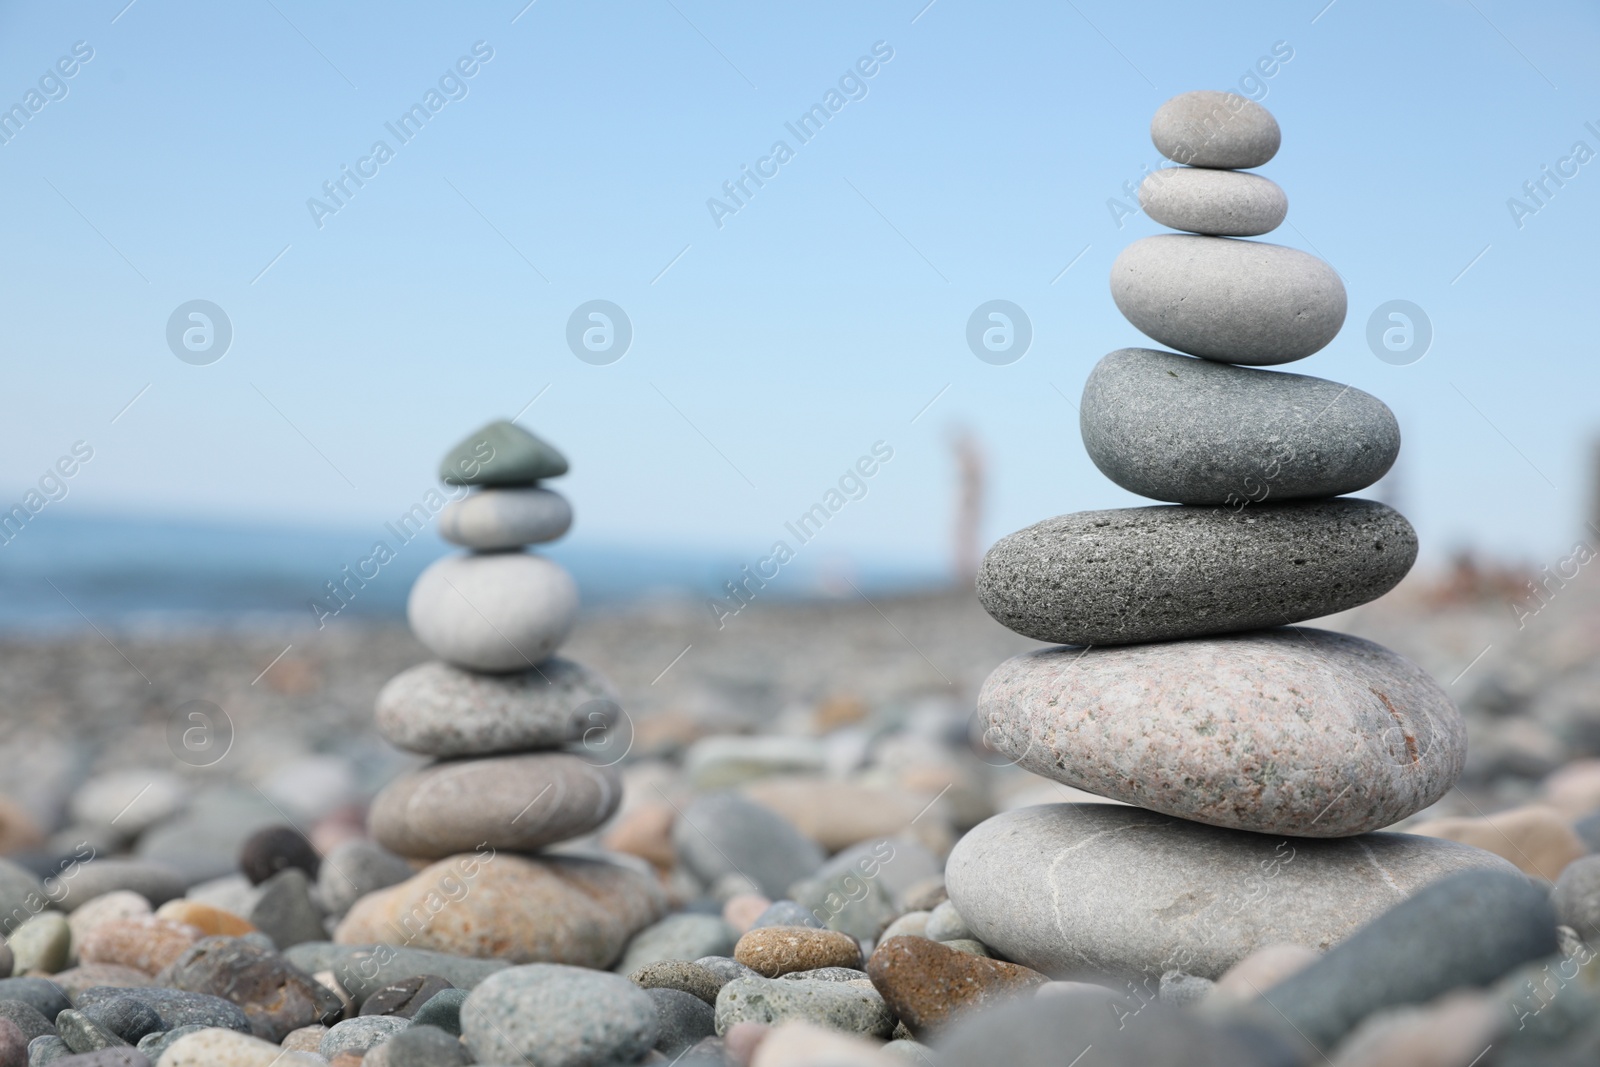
x,y
506,611
154,1045
404,998
564,1016
274,848
42,943
83,1034
723,833
210,921
946,924
276,996
13,1045
1162,573
225,1048
497,519
1534,837
1466,930
146,945
771,951
681,1019
285,911
855,1008
176,1007
356,868
120,904
1221,203
501,453
1191,431
1209,128
363,969
927,985
522,802
556,909
130,1018
681,975
1228,300
1296,731
443,1011
27,1018
678,937
360,1034
1577,897
440,710
418,1046
1098,889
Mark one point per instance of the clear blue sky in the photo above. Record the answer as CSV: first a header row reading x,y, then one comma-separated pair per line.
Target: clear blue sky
x,y
772,352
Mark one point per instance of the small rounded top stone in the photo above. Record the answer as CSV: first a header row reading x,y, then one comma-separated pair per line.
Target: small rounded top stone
x,y
1207,128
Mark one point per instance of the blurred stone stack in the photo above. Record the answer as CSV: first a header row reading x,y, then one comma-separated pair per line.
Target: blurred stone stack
x,y
521,739
1186,690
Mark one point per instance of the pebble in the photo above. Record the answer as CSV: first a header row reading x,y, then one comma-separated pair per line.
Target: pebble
x,y
225,1048
1447,1033
678,937
274,848
946,924
363,969
1134,575
555,909
119,904
305,1039
404,998
110,1057
825,974
1297,731
75,980
846,901
726,968
128,799
927,985
837,814
1535,837
493,520
13,1044
1577,897
83,1034
442,1011
155,1045
566,1016
41,943
501,453
786,913
276,996
797,1043
502,612
724,760
231,893
210,921
156,882
1466,930
771,951
522,802
147,944
741,910
440,710
1261,969
1220,203
47,1049
850,1007
1208,128
1574,789
18,886
1179,989
644,830
130,1018
1145,893
356,868
418,1046
285,911
26,1018
39,993
723,833
1232,301
911,924
360,1034
176,1007
682,1020
681,975
1191,431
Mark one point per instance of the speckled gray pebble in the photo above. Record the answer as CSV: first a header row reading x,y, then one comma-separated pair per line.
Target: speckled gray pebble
x,y
683,1019
1222,203
497,519
363,969
83,1034
1192,431
360,1034
47,1049
28,1018
826,974
440,710
1229,300
41,993
419,1046
1298,732
678,937
786,913
681,975
175,1007
1161,573
946,924
855,1009
566,1016
442,1010
1102,889
725,968
723,833
155,1044
1207,128
1577,897
128,1017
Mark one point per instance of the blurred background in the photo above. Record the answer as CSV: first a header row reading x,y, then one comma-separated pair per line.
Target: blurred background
x,y
359,310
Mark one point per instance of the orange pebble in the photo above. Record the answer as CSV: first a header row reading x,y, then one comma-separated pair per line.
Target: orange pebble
x,y
211,921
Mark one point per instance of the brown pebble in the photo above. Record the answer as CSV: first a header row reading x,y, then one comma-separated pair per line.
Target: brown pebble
x,y
927,984
209,920
646,832
775,950
349,1058
1535,837
146,945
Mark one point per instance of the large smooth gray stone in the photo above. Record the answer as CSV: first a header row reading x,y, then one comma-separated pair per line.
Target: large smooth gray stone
x,y
440,710
1287,731
1222,203
504,611
558,1016
1467,930
1160,573
1089,890
1207,128
723,833
1229,300
497,519
521,803
1192,431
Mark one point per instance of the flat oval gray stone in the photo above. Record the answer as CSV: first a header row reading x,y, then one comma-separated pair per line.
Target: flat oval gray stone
x,y
504,611
497,519
1207,128
1166,572
1288,731
1075,890
558,1016
1196,432
520,803
1222,203
440,710
1228,300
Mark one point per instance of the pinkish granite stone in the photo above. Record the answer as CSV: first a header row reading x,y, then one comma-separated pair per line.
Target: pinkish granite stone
x,y
1289,731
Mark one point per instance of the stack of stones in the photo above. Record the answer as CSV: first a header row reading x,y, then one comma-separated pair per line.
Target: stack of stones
x,y
521,739
1230,737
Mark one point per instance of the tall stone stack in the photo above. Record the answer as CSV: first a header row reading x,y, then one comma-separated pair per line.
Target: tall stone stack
x,y
1185,691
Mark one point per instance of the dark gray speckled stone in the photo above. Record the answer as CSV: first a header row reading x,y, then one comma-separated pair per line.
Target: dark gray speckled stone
x,y
1192,431
1162,573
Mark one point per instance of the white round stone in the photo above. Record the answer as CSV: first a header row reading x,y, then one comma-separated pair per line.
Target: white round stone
x,y
501,612
1207,128
494,519
1222,203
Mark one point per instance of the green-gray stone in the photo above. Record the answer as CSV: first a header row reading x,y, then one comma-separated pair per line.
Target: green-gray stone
x,y
82,1034
443,1010
501,453
42,943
